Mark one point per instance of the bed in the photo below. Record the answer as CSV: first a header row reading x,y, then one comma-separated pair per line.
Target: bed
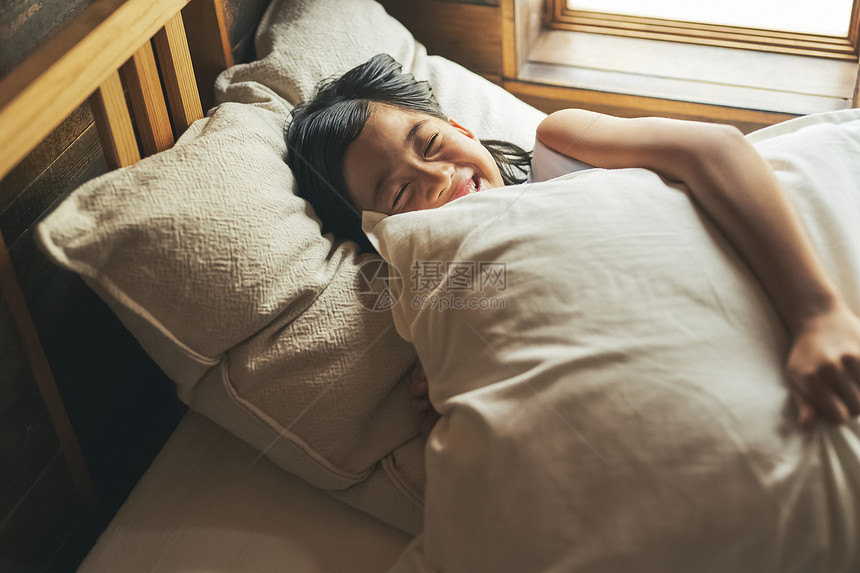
x,y
297,452
207,503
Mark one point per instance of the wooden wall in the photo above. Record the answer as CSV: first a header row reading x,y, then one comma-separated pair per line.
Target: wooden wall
x,y
467,32
122,407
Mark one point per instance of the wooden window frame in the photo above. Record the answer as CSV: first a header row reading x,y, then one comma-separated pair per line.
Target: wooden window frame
x,y
835,47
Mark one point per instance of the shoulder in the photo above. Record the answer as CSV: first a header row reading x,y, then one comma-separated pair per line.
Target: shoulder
x,y
548,163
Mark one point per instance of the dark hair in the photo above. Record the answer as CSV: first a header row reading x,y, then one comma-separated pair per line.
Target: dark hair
x,y
321,130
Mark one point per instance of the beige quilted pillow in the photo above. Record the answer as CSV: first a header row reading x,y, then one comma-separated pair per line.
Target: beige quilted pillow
x,y
222,274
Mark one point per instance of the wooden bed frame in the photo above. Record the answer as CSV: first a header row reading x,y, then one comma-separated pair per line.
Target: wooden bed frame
x,y
73,445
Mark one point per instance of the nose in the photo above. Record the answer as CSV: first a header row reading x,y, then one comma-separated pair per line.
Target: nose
x,y
433,177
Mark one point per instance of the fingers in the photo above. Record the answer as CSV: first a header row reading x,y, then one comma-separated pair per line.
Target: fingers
x,y
420,387
831,393
824,363
826,395
848,392
806,417
417,370
852,367
851,377
423,413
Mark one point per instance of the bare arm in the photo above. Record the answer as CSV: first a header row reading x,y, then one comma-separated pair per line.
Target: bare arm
x,y
738,189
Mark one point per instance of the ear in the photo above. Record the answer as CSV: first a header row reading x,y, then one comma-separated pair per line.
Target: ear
x,y
461,129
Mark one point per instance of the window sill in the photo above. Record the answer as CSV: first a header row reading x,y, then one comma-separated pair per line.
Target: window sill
x,y
730,79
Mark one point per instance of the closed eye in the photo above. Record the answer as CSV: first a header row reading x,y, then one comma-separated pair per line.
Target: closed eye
x,y
430,144
397,197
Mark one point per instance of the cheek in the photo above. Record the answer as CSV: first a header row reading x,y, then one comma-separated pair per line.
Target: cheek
x,y
479,152
495,175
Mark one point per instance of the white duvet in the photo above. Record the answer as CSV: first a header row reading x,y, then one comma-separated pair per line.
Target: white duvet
x,y
612,392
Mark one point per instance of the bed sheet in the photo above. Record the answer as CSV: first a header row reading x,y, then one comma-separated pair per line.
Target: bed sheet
x,y
209,503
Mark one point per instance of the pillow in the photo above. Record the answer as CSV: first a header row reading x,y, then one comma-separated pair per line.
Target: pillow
x,y
610,375
305,41
300,43
222,274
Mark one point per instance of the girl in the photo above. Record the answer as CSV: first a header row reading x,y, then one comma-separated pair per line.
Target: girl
x,y
375,139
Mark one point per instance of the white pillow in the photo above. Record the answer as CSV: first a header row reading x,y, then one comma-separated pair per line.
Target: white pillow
x,y
618,402
305,41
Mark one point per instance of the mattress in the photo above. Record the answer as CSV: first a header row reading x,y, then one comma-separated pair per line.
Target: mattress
x,y
210,503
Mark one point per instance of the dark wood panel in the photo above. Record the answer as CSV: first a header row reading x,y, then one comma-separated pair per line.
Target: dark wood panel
x,y
27,24
14,363
469,34
37,527
35,163
27,441
79,162
122,406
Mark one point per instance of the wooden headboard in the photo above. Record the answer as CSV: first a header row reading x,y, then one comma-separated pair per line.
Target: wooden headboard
x,y
83,410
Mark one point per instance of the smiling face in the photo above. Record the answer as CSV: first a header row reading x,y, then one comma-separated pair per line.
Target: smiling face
x,y
406,161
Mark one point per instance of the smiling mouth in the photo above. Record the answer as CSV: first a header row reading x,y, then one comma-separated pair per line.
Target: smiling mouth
x,y
471,185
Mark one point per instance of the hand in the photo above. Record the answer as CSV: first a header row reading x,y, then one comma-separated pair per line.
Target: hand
x,y
420,408
824,368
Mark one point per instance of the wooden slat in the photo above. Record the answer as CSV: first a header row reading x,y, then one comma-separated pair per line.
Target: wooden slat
x,y
147,100
208,43
172,48
45,382
241,18
855,102
854,27
114,124
74,63
510,66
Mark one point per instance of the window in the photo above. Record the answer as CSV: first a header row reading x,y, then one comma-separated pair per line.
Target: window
x,y
644,65
824,28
